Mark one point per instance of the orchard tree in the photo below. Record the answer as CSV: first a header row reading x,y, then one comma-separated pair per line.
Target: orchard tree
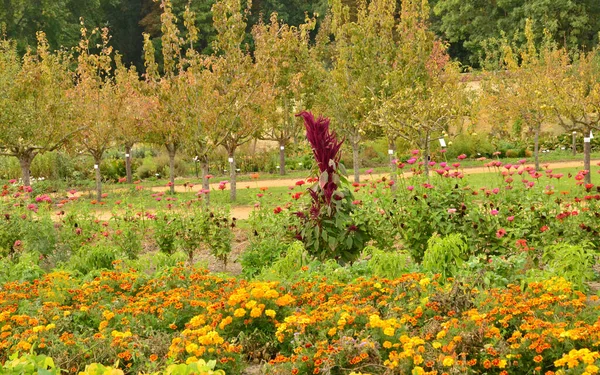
x,y
169,126
94,98
522,87
131,114
235,89
33,107
282,53
577,85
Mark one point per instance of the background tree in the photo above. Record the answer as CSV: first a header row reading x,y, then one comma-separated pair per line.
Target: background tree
x,y
577,86
131,114
237,90
168,126
521,88
282,53
33,106
93,99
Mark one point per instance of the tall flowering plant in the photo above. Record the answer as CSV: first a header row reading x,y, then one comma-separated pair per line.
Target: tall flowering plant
x,y
328,228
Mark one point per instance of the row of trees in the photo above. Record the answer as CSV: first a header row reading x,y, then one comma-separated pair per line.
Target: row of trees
x,y
378,70
467,25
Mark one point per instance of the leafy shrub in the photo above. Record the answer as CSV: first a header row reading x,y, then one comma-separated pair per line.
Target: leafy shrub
x,y
166,226
24,268
387,264
39,235
445,255
572,262
29,364
470,145
294,259
94,256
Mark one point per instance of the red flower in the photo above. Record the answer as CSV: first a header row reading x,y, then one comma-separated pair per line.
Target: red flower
x,y
544,228
500,233
277,210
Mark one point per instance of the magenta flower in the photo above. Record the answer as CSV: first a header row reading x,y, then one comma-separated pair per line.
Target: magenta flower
x,y
510,218
494,212
501,232
451,210
410,188
461,157
411,161
415,152
326,149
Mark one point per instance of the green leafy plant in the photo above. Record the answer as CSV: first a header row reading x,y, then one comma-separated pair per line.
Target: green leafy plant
x,y
29,364
573,262
445,255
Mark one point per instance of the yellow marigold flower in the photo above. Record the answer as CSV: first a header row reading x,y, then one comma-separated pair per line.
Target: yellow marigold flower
x,y
238,313
448,361
387,344
108,315
250,304
332,331
417,359
270,313
256,312
424,282
592,369
417,370
389,331
441,334
436,345
502,363
225,322
190,348
271,293
285,300
103,325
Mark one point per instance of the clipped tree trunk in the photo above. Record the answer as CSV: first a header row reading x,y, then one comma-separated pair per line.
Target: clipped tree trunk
x,y
536,148
393,165
205,180
232,176
587,151
128,171
172,151
426,156
25,160
574,145
97,161
281,158
356,158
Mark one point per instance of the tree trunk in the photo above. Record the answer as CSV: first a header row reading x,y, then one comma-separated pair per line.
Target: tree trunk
x,y
587,150
172,150
574,145
128,172
205,180
393,165
356,158
25,160
232,177
426,156
97,161
281,158
536,148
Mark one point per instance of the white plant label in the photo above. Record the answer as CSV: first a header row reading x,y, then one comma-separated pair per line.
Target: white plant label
x,y
126,155
390,152
95,166
282,148
442,142
230,160
591,135
586,140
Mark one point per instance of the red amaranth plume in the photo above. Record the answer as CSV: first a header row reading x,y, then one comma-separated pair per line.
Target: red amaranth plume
x,y
326,149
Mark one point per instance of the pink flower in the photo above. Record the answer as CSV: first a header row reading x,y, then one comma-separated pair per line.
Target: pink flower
x,y
461,157
260,195
415,152
522,161
18,243
510,218
495,190
494,212
456,165
443,164
432,163
369,171
451,210
411,161
500,233
410,188
208,176
13,181
443,151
